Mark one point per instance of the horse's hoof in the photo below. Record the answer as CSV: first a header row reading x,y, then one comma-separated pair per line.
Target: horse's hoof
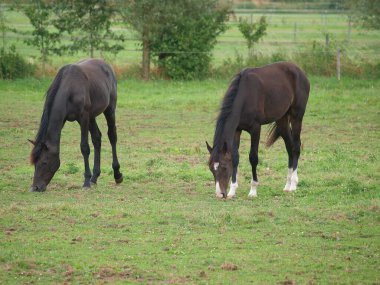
x,y
86,186
120,179
231,196
36,189
93,184
289,190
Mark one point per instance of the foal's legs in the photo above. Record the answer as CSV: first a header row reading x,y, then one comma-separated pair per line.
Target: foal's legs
x,y
85,149
112,135
235,163
96,137
296,134
283,128
254,158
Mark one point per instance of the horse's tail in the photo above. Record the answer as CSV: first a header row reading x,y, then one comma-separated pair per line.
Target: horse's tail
x,y
273,135
50,95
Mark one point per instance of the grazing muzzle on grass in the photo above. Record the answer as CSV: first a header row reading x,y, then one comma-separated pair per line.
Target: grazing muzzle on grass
x,y
220,165
45,166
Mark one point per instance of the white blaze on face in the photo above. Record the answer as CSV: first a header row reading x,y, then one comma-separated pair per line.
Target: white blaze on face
x,y
216,165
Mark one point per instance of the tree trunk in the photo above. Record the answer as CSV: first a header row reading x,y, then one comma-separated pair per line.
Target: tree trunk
x,y
146,55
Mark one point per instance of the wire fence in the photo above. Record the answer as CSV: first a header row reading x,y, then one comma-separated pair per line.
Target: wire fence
x,y
290,31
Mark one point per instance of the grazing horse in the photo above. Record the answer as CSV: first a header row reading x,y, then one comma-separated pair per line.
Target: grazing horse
x,y
79,92
276,93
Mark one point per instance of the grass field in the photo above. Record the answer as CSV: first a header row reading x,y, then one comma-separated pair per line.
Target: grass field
x,y
163,225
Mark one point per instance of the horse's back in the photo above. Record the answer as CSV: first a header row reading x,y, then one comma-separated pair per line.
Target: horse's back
x,y
102,84
272,89
280,78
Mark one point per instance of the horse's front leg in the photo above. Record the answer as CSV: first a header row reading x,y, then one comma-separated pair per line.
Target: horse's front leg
x,y
235,164
254,159
85,149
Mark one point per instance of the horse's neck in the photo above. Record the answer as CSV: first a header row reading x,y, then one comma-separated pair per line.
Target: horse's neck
x,y
55,125
230,127
231,124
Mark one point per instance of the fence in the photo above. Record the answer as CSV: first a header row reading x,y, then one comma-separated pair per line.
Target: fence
x,y
289,32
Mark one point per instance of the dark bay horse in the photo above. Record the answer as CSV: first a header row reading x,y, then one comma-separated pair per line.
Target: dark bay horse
x,y
79,92
276,93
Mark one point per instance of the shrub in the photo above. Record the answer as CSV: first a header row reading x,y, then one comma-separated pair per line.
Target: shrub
x,y
13,65
319,60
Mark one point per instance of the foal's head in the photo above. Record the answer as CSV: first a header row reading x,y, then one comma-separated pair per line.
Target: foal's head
x,y
46,162
220,164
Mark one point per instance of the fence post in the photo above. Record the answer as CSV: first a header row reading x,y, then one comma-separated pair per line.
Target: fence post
x,y
338,64
349,29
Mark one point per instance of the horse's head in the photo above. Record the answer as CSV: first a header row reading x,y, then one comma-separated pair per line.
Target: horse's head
x,y
220,164
46,162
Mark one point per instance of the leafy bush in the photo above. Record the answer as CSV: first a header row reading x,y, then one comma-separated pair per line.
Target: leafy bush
x,y
13,65
319,60
183,45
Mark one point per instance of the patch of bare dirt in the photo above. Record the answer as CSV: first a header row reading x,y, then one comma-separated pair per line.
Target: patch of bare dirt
x,y
229,266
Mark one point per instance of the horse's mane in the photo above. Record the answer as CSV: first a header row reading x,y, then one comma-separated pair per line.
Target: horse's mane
x,y
226,109
50,95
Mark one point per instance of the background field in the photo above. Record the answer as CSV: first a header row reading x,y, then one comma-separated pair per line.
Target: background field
x,y
163,225
289,32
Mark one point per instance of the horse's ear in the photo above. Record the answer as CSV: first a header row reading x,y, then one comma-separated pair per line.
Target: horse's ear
x,y
209,147
32,142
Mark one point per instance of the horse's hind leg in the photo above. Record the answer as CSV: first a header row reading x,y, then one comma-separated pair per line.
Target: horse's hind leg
x,y
296,123
296,134
112,135
235,163
283,128
254,158
85,149
96,137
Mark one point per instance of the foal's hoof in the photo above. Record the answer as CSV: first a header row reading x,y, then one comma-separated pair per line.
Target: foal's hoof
x,y
119,179
36,189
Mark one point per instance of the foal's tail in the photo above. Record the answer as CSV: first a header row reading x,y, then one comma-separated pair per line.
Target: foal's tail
x,y
273,135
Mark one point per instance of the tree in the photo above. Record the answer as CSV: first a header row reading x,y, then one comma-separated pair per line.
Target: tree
x,y
145,17
44,37
88,22
252,32
368,12
184,44
179,34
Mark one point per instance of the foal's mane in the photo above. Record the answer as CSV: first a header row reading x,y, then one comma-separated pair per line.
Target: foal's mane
x,y
50,95
226,110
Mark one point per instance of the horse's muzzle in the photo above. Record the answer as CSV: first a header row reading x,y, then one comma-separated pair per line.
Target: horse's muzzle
x,y
37,189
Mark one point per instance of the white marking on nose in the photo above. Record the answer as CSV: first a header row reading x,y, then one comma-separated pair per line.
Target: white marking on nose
x,y
216,165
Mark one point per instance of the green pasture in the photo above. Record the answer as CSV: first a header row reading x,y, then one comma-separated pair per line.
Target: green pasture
x,y
163,225
287,34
